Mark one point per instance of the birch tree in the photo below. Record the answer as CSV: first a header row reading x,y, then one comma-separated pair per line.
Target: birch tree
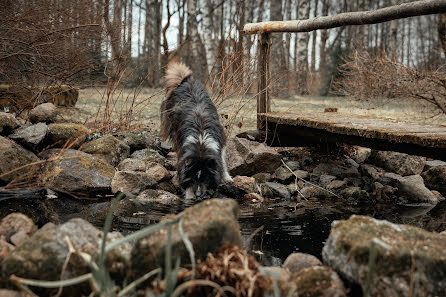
x,y
209,44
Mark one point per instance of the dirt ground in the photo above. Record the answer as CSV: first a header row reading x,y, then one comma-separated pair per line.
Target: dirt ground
x,y
239,113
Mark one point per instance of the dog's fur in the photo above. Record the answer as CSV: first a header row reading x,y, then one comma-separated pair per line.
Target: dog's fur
x,y
189,121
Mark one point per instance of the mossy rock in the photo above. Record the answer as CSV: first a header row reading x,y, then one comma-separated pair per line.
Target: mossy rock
x,y
7,123
109,148
66,135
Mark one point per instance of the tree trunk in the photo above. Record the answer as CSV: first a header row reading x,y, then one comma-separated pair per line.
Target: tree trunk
x,y
302,47
313,42
278,61
393,29
324,35
194,58
442,31
211,49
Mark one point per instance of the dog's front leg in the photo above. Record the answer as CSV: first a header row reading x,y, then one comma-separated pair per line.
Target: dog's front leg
x,y
189,194
226,177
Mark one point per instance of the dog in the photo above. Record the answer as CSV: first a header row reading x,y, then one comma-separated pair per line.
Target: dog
x,y
190,123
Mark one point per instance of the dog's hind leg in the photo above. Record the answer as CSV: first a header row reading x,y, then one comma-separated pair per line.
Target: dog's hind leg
x,y
226,178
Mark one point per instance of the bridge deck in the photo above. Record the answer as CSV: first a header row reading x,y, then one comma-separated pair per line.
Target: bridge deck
x,y
294,129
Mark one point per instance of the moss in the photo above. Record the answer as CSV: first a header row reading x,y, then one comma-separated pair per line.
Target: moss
x,y
313,281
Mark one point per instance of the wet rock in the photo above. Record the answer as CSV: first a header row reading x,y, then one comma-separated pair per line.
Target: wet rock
x,y
157,197
410,187
138,140
42,256
399,163
131,164
433,163
356,194
283,175
359,154
14,223
109,148
315,192
326,179
276,189
245,183
298,261
209,225
435,178
247,157
318,281
31,136
253,197
157,172
76,171
66,135
5,249
14,156
149,155
46,112
262,177
370,171
8,123
131,182
398,248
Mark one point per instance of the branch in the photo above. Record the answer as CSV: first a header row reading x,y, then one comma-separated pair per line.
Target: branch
x,y
351,18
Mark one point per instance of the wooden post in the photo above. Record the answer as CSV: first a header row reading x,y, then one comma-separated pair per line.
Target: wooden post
x,y
263,100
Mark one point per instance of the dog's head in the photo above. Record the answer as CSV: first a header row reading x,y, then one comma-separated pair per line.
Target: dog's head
x,y
199,173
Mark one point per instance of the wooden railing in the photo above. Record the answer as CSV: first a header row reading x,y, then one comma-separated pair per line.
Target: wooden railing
x,y
265,29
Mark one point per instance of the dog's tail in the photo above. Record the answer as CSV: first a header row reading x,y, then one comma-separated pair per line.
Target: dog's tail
x,y
175,74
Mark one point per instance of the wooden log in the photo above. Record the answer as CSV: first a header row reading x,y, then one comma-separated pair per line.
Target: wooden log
x,y
263,100
401,11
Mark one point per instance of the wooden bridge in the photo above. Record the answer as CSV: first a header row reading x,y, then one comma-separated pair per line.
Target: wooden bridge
x,y
299,129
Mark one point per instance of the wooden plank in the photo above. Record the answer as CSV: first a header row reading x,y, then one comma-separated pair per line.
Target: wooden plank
x,y
263,100
404,10
300,129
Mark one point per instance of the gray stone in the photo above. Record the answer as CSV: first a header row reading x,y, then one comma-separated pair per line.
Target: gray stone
x,y
131,164
400,249
277,190
46,112
13,157
42,256
336,169
370,171
410,187
8,123
132,182
247,157
433,163
76,171
399,163
294,165
337,185
209,225
283,175
435,178
359,154
30,136
67,135
158,197
326,179
316,192
138,140
356,194
150,155
109,148
298,261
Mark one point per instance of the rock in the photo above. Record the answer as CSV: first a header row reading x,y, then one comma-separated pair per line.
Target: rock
x,y
262,177
66,135
76,171
293,165
435,178
336,169
31,136
131,164
157,172
43,255
283,175
14,156
318,281
337,185
46,112
370,171
131,182
301,174
433,163
356,194
400,249
277,190
14,223
8,123
209,225
149,155
109,148
253,197
276,273
315,192
5,249
245,183
18,238
410,187
359,154
399,163
326,179
172,159
157,197
69,115
298,261
168,186
247,157
138,140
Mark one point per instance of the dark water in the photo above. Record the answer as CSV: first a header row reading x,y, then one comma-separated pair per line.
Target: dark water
x,y
270,231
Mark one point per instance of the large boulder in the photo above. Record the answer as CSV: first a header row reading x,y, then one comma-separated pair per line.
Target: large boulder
x,y
13,157
245,157
76,171
30,136
138,140
45,112
404,255
109,148
66,135
42,256
399,163
435,178
209,225
410,187
7,123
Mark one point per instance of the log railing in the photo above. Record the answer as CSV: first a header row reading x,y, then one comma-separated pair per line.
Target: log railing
x,y
265,29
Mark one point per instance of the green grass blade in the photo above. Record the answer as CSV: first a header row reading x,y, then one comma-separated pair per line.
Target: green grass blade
x,y
372,262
